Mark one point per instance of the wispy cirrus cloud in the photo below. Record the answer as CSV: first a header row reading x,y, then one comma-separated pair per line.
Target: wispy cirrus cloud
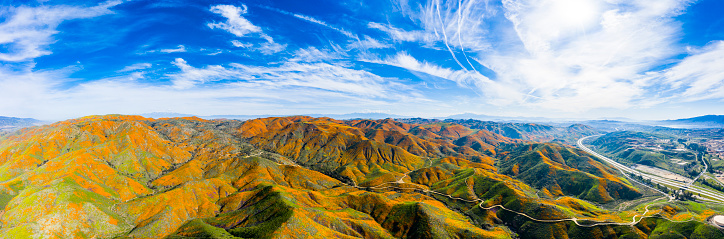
x,y
566,55
400,34
581,55
368,42
463,78
179,48
696,77
458,27
312,54
458,24
270,47
290,88
191,76
241,27
312,20
319,76
136,67
238,43
27,31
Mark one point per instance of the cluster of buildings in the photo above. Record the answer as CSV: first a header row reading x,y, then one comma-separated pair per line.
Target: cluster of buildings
x,y
715,147
656,145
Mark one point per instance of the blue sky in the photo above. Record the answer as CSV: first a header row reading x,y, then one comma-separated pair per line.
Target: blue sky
x,y
639,59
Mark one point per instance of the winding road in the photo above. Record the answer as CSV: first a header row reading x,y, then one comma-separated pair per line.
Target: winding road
x,y
592,223
480,202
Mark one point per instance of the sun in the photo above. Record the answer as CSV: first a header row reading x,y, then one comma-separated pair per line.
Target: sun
x,y
579,13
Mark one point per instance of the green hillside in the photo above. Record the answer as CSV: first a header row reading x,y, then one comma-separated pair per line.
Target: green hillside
x,y
655,150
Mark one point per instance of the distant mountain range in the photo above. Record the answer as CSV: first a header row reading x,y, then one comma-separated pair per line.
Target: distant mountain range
x,y
608,124
525,119
12,122
462,116
157,115
496,118
706,121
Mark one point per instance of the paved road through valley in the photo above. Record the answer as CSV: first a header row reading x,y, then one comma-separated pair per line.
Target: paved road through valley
x,y
715,195
702,172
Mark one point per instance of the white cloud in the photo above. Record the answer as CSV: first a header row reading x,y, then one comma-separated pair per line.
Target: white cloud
x,y
266,48
567,55
179,48
190,76
270,47
135,67
27,31
316,21
403,35
237,43
458,26
313,20
463,78
312,54
239,26
698,76
22,91
368,43
319,76
461,25
290,88
575,61
235,23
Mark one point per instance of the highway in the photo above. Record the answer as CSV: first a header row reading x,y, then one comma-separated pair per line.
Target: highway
x,y
715,195
702,172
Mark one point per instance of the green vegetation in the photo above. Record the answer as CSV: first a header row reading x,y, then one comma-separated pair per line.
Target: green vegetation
x,y
667,229
711,183
655,150
197,228
550,166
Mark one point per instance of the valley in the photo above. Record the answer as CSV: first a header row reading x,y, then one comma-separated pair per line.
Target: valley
x,y
669,180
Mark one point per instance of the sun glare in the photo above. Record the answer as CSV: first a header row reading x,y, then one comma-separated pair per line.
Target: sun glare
x,y
575,12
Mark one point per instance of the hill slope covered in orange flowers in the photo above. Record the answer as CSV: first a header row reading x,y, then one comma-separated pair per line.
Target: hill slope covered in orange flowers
x,y
300,177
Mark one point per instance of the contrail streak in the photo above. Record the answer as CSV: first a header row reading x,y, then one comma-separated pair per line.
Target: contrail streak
x,y
460,24
445,35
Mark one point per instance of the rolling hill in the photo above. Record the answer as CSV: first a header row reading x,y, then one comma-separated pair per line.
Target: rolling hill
x,y
525,131
655,150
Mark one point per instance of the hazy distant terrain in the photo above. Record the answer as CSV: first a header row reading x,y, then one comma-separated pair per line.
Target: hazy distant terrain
x,y
9,123
706,121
